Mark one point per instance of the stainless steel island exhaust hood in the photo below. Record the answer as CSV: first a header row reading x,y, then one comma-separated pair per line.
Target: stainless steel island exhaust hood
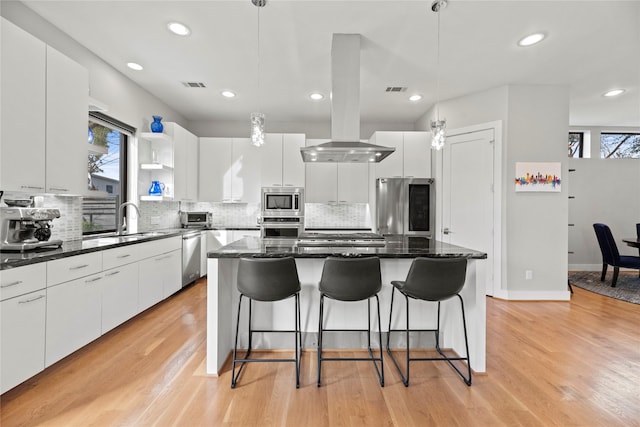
x,y
345,145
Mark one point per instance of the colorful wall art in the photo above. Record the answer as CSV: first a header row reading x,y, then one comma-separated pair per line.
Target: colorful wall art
x,y
538,176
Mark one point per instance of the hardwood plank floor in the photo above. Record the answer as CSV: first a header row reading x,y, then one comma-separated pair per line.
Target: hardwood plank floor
x,y
549,363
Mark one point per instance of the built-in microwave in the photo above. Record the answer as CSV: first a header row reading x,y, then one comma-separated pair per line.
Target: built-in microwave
x,y
282,201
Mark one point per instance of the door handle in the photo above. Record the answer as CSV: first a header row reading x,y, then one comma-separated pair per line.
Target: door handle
x,y
446,231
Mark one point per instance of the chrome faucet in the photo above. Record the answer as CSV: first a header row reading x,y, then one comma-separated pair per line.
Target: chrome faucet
x,y
120,216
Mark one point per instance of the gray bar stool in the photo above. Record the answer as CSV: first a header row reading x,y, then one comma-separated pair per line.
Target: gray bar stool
x,y
267,279
351,279
431,279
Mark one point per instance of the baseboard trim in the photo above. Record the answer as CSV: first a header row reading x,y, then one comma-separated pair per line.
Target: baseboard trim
x,y
533,295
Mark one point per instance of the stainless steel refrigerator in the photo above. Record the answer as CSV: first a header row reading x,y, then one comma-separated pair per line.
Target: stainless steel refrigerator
x,y
405,206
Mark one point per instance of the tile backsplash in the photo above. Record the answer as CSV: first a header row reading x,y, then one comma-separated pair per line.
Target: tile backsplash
x,y
343,215
69,225
161,215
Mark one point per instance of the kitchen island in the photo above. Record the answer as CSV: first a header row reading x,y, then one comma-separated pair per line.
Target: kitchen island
x,y
395,259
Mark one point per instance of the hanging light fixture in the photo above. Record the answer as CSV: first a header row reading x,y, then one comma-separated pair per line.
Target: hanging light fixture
x,y
438,126
257,119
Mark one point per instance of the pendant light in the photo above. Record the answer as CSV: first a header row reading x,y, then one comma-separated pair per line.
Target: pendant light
x,y
438,126
257,119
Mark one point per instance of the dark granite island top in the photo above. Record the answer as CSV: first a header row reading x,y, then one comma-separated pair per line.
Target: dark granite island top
x,y
407,247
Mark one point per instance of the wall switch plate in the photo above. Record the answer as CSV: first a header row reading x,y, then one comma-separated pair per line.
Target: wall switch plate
x,y
528,274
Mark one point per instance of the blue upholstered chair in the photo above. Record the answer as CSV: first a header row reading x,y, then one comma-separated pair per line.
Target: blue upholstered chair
x,y
610,254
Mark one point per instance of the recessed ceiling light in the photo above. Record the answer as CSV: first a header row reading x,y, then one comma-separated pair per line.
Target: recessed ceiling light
x,y
316,96
531,39
228,94
178,28
614,92
134,66
415,98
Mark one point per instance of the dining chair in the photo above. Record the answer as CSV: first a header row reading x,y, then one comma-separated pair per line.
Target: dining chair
x,y
610,254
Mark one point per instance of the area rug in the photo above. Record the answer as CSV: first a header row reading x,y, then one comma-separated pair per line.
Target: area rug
x,y
627,287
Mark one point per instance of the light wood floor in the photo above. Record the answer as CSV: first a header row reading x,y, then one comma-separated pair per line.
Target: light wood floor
x,y
549,363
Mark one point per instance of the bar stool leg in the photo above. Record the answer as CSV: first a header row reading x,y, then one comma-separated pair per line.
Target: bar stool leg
x,y
405,379
320,337
467,379
381,372
298,339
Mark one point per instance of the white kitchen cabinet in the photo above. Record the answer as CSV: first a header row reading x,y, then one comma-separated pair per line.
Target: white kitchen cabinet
x,y
66,125
69,268
392,166
186,162
229,170
22,323
417,154
119,296
245,171
22,280
214,182
412,157
73,316
203,254
22,131
160,275
121,255
44,117
23,338
156,157
281,162
336,182
353,183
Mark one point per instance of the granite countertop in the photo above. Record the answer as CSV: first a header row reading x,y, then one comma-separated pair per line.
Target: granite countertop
x,y
397,247
82,246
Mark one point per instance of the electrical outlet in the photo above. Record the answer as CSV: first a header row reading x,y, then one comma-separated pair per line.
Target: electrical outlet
x,y
528,274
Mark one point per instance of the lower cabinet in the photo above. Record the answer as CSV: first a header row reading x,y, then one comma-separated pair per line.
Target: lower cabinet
x,y
49,310
119,296
73,316
23,337
159,277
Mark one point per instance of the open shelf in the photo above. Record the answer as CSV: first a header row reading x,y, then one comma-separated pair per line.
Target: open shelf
x,y
156,136
155,166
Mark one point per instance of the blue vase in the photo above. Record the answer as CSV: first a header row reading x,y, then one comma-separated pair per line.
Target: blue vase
x,y
156,189
156,125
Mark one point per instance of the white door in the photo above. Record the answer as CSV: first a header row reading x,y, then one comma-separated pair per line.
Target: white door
x,y
467,194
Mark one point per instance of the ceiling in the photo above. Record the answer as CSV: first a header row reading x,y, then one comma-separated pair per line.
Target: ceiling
x,y
592,46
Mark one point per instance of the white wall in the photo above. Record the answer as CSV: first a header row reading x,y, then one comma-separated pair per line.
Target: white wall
x,y
126,101
312,130
537,222
535,123
606,191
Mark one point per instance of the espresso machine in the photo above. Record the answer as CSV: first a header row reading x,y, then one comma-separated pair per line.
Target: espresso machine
x,y
26,228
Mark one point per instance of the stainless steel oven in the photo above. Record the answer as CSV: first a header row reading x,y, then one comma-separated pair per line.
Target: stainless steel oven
x,y
282,201
281,227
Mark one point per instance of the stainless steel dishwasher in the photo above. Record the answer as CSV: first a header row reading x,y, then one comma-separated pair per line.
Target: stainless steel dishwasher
x,y
190,257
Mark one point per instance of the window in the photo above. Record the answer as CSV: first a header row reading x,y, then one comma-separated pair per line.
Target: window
x,y
576,144
619,145
106,173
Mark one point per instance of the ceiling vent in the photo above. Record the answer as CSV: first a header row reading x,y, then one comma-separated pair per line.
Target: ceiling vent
x,y
193,84
395,89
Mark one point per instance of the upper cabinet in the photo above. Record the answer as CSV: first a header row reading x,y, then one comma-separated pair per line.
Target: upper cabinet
x,y
44,116
336,182
229,170
412,157
67,86
185,148
281,162
169,158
